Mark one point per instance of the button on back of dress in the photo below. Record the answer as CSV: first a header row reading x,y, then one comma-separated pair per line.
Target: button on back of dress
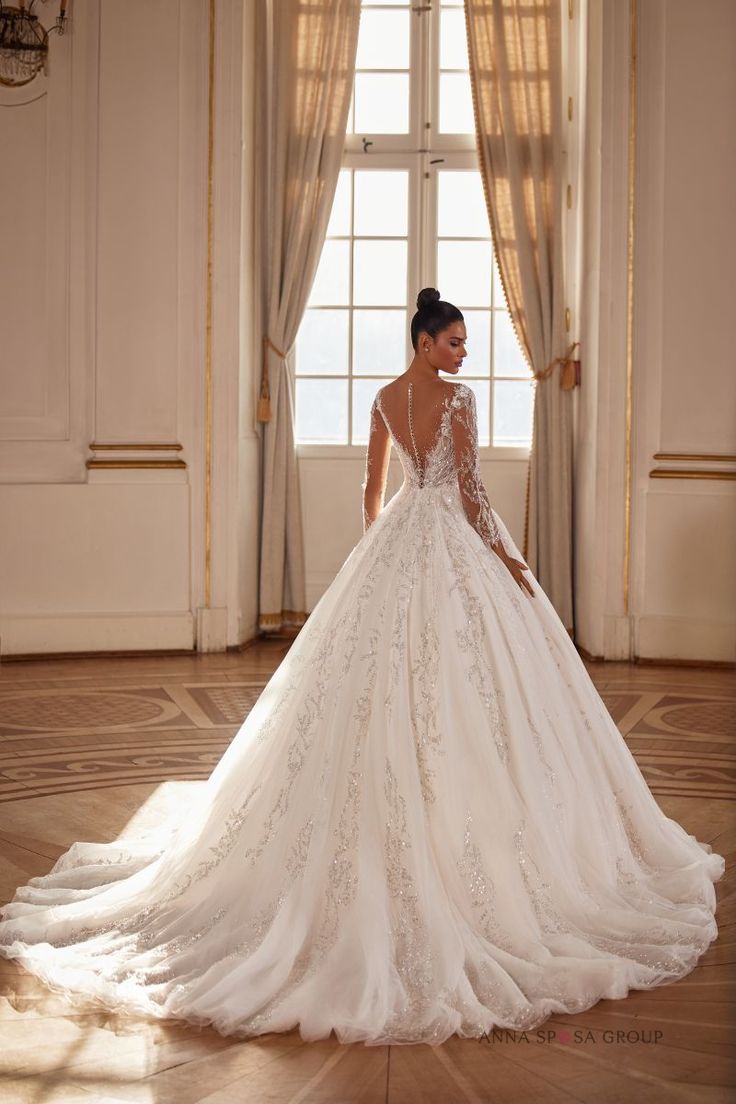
x,y
420,473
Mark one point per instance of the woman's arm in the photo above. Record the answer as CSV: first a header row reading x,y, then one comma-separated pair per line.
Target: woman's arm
x,y
376,467
475,500
477,508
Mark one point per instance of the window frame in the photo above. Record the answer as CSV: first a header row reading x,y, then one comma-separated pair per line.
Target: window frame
x,y
406,151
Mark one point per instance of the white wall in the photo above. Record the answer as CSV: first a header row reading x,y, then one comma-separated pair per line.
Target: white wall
x,y
685,327
682,596
102,314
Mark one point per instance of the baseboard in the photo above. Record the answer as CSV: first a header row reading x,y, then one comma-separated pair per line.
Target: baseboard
x,y
95,633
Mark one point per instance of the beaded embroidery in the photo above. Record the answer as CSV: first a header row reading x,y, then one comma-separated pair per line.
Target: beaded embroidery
x,y
328,841
452,456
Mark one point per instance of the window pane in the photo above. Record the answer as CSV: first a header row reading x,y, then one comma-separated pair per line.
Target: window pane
x,y
384,3
322,411
379,273
381,103
379,341
364,392
512,412
322,343
482,401
383,40
340,215
478,360
508,357
456,104
332,282
464,273
453,40
381,202
461,205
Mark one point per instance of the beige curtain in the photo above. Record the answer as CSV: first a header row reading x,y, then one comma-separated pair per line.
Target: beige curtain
x,y
306,53
515,70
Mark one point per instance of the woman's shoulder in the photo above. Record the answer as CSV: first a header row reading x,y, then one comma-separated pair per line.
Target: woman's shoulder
x,y
460,393
454,390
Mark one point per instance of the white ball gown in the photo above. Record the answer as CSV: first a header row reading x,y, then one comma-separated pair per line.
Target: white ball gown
x,y
428,824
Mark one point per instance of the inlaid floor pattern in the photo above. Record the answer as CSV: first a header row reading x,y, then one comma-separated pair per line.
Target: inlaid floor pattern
x,y
99,748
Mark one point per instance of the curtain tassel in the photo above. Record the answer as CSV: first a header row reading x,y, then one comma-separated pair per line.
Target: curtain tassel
x,y
264,398
570,374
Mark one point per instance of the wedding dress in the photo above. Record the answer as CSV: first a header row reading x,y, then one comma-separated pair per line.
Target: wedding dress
x,y
428,823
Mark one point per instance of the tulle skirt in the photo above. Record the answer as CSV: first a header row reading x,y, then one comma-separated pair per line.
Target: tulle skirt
x,y
427,825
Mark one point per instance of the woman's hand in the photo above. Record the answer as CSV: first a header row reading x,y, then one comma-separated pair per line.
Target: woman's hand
x,y
516,567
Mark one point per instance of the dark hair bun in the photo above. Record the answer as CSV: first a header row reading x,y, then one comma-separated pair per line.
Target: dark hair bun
x,y
427,296
433,315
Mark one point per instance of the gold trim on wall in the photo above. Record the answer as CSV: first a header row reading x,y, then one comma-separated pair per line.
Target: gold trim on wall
x,y
109,464
96,447
208,309
710,457
686,473
630,295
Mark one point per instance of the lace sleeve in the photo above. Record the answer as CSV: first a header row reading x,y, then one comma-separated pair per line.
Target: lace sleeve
x,y
465,446
376,467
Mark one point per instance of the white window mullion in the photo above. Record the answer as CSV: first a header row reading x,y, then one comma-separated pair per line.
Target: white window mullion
x,y
429,194
425,265
432,83
418,80
416,245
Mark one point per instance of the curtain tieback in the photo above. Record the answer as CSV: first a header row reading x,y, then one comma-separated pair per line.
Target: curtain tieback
x,y
569,376
264,398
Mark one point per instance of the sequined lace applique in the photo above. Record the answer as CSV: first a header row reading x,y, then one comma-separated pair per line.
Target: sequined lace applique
x,y
452,457
549,918
414,956
412,566
480,886
465,439
342,871
470,640
425,708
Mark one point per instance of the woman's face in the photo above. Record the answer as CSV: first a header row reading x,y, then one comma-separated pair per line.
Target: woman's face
x,y
446,351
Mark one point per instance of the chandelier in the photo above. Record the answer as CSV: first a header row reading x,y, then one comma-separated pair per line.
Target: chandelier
x,y
24,42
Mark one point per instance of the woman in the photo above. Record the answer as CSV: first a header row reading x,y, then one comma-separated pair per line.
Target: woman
x,y
428,824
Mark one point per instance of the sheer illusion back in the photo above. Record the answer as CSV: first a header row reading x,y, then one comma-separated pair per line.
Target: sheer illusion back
x,y
434,428
415,416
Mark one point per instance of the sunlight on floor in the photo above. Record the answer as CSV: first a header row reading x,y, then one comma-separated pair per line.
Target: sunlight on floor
x,y
165,802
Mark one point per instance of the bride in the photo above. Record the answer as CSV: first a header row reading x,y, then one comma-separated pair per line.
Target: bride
x,y
428,824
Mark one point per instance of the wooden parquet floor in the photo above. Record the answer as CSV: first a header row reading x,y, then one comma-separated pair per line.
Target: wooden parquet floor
x,y
97,748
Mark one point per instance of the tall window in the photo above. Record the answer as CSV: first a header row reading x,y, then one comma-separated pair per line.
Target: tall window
x,y
409,212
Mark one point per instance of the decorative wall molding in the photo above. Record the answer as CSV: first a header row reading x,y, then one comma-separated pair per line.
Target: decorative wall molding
x,y
141,448
685,473
48,131
142,461
98,503
707,456
694,458
136,464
